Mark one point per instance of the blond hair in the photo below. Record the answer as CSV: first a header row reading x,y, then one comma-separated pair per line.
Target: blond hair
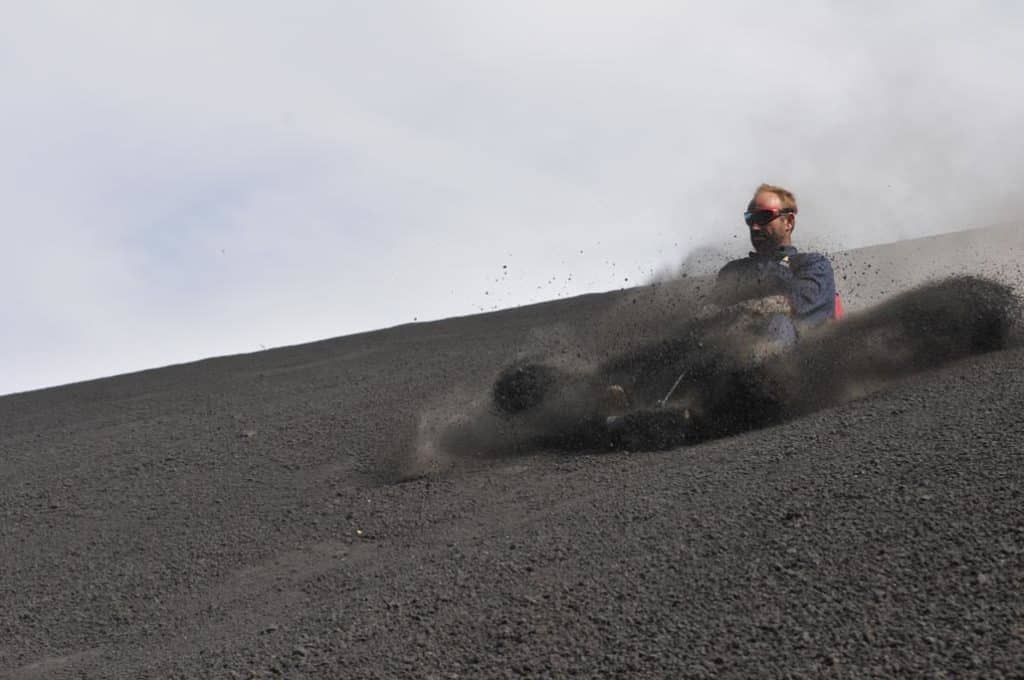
x,y
785,195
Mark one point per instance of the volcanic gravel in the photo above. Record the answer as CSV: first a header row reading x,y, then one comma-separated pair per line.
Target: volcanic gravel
x,y
277,515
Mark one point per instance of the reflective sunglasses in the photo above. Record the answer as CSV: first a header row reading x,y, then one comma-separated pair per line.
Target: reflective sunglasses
x,y
763,217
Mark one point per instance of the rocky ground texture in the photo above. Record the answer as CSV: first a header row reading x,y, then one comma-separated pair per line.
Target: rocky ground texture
x,y
282,514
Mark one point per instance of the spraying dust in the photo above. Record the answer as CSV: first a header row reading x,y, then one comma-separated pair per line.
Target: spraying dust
x,y
725,386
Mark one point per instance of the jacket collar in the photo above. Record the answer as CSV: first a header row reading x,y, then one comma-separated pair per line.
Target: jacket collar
x,y
782,251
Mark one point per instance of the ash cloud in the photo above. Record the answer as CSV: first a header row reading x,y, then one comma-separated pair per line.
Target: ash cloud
x,y
534,406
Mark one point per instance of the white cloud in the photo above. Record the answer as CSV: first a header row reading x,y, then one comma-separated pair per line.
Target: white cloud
x,y
195,179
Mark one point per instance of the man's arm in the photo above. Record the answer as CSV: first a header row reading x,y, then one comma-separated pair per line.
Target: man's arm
x,y
742,280
807,281
812,287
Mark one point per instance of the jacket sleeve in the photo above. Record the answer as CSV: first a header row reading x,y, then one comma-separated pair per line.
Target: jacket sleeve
x,y
807,281
743,280
811,286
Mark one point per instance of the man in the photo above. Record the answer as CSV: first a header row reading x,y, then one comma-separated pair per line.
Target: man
x,y
799,287
793,290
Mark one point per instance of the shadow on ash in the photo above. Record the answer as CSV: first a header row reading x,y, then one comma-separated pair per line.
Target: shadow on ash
x,y
716,377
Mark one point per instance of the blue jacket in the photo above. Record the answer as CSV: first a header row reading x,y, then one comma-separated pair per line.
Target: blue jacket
x,y
805,279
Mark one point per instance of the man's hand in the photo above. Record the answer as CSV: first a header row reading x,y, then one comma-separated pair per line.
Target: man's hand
x,y
773,304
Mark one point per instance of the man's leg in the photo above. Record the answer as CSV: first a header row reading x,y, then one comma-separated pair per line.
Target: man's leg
x,y
779,336
781,330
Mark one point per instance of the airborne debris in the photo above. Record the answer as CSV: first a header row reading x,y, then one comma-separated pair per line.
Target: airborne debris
x,y
725,388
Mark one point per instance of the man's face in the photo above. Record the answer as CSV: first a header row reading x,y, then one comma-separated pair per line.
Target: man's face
x,y
766,238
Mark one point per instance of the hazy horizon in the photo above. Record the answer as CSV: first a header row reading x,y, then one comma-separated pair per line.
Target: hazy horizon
x,y
187,181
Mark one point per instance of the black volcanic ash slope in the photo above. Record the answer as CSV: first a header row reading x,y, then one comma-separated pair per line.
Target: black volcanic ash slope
x,y
223,519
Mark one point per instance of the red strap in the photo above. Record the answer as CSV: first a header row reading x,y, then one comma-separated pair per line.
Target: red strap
x,y
838,309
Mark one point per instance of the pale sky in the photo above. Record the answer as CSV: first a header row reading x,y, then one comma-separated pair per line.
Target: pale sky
x,y
182,180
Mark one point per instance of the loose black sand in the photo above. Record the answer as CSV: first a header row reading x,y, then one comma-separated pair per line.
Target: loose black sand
x,y
289,514
729,386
